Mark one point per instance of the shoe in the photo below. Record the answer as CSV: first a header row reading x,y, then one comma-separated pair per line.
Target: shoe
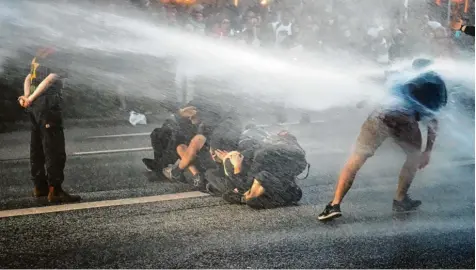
x,y
330,212
198,182
172,172
151,165
405,205
40,192
210,189
58,195
234,198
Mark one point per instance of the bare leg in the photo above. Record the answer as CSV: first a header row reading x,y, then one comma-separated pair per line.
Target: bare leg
x,y
347,176
410,141
372,134
182,151
407,174
190,153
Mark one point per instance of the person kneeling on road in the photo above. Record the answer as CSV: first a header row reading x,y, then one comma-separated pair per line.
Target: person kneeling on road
x,y
262,174
195,156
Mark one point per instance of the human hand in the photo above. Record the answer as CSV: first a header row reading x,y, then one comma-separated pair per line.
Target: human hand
x,y
221,154
236,159
24,101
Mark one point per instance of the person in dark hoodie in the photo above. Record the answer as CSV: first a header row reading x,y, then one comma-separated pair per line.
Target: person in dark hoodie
x,y
261,173
194,156
178,129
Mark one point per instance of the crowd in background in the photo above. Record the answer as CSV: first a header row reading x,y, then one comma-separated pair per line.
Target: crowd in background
x,y
381,30
311,25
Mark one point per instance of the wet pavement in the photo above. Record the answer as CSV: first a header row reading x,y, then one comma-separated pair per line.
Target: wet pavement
x,y
206,232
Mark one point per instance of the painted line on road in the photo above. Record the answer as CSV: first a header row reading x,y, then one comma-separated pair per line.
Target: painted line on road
x,y
112,151
120,135
100,204
148,133
127,150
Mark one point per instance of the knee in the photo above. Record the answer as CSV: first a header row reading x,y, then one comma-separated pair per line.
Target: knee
x,y
198,139
197,142
181,148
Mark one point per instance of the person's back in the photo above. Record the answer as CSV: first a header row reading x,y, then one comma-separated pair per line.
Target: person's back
x,y
281,155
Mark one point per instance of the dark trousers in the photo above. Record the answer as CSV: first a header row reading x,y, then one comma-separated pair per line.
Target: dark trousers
x,y
278,192
219,181
47,146
164,141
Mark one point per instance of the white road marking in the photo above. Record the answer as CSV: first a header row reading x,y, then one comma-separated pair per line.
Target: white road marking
x,y
99,204
148,133
120,135
140,149
112,151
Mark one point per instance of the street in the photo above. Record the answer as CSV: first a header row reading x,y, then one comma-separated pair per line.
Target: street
x,y
193,230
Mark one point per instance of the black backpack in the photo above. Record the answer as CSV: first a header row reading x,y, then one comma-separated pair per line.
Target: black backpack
x,y
280,154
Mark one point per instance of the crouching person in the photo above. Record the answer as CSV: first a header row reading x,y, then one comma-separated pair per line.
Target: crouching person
x,y
178,129
262,174
194,158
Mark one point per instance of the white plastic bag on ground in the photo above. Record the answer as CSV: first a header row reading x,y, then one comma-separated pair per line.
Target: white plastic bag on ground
x,y
137,118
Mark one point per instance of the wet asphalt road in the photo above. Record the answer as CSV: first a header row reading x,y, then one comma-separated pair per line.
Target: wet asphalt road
x,y
208,233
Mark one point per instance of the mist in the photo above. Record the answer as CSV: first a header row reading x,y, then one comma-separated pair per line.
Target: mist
x,y
126,49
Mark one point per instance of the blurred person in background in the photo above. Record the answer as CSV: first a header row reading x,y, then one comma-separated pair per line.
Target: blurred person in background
x,y
283,30
309,32
442,45
248,34
184,82
378,44
223,29
398,50
196,22
42,99
171,16
185,72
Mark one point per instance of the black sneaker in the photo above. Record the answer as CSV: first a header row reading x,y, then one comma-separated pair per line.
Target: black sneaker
x,y
198,182
151,165
234,198
330,212
212,190
405,205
